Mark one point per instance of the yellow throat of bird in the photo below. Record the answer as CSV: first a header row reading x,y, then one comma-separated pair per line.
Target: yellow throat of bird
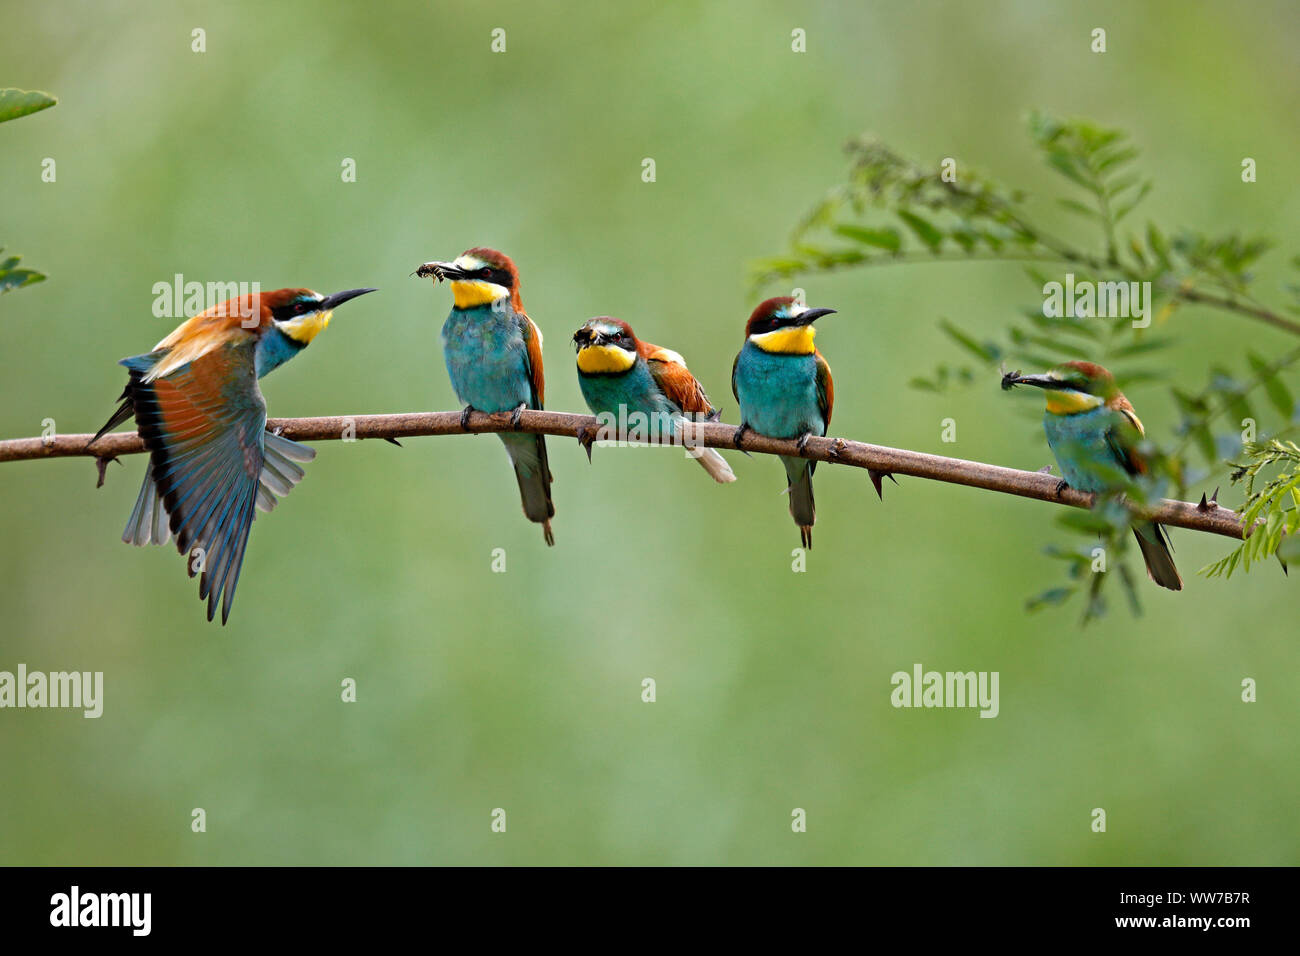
x,y
1071,402
793,340
470,294
604,359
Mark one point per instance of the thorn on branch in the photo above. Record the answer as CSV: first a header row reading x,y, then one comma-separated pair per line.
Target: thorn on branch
x,y
586,439
101,464
878,479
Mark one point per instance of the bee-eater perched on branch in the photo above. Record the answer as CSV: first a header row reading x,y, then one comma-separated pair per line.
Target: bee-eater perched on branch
x,y
1093,430
621,376
785,390
494,357
200,412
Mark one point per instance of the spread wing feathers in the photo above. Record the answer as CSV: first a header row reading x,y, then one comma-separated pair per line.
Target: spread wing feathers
x,y
197,337
280,471
149,522
675,380
204,426
533,340
825,389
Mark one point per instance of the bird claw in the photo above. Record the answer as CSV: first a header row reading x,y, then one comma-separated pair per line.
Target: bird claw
x,y
514,416
739,436
464,417
1061,486
837,446
802,443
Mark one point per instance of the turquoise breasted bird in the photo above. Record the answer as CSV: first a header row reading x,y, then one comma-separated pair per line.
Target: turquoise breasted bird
x,y
493,352
621,376
198,407
1092,429
785,390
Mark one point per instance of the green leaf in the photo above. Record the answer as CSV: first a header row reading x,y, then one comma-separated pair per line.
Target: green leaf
x,y
1274,387
985,353
1141,194
1158,244
1120,156
16,103
880,238
1064,164
11,277
1049,598
1077,207
924,230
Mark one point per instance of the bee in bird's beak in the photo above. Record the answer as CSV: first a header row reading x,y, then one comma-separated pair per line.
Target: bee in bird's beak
x,y
437,270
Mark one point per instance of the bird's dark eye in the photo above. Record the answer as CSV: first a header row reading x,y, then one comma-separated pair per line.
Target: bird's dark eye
x,y
485,273
299,308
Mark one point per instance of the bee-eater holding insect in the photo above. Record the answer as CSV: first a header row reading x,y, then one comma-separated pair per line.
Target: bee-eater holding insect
x,y
1092,429
785,390
198,407
493,352
621,376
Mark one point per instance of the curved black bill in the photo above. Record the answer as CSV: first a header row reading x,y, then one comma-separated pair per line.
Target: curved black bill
x,y
338,298
1038,381
812,315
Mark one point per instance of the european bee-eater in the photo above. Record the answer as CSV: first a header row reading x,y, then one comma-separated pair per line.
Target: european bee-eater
x,y
622,376
785,390
1092,429
198,407
493,352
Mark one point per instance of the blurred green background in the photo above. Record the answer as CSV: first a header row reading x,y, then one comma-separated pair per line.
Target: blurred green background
x,y
522,690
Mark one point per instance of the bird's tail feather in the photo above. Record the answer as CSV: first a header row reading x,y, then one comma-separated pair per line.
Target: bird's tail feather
x,y
799,472
533,472
149,522
1154,543
714,464
280,471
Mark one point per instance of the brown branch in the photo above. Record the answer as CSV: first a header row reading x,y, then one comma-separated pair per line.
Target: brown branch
x,y
1210,518
1241,308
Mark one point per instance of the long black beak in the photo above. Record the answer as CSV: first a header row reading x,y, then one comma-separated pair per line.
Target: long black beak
x,y
439,270
338,298
812,315
1012,379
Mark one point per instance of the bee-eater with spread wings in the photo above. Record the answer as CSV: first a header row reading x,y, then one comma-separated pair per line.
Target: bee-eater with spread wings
x,y
198,407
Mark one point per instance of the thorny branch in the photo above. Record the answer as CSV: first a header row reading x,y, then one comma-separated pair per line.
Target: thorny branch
x,y
877,459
